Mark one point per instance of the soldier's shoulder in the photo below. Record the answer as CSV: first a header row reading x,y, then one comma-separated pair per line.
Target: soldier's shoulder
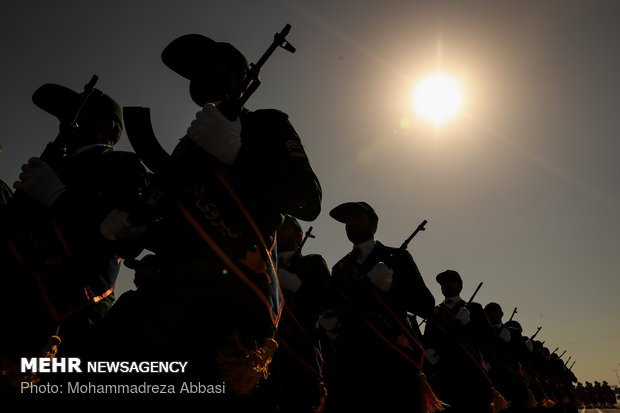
x,y
266,114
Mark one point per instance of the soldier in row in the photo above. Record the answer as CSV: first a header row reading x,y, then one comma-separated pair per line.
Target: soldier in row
x,y
58,264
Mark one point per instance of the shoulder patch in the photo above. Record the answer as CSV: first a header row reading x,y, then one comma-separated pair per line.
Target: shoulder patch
x,y
295,149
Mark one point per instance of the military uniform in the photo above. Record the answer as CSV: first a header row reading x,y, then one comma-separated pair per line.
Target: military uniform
x,y
453,336
376,359
506,369
218,302
60,269
297,365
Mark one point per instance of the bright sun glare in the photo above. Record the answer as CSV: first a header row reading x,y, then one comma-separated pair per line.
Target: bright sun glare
x,y
437,98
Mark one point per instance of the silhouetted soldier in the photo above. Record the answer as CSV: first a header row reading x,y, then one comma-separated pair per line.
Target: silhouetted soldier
x,y
377,359
504,361
227,187
61,266
453,336
297,365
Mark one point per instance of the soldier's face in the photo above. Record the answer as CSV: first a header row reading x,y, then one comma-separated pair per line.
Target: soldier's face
x,y
494,316
104,131
215,83
451,288
360,227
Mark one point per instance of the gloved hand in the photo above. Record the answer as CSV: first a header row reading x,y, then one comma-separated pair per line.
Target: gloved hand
x,y
288,280
116,226
40,182
431,355
463,315
529,345
216,134
504,334
381,276
329,323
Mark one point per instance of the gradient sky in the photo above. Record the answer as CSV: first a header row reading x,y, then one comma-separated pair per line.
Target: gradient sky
x,y
520,191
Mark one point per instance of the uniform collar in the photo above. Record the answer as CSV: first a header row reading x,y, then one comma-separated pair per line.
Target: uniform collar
x,y
450,302
366,248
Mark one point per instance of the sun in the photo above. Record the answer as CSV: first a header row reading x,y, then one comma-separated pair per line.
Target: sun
x,y
438,97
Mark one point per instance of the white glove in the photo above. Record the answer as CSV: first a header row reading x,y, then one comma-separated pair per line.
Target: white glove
x,y
431,355
288,280
116,226
40,182
329,324
529,345
381,276
504,334
463,315
216,134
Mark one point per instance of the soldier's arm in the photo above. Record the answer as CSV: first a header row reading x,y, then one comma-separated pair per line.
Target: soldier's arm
x,y
409,287
272,146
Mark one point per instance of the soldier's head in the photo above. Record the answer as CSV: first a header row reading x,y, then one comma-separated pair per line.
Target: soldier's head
x,y
360,220
100,120
289,234
494,313
450,282
214,69
514,327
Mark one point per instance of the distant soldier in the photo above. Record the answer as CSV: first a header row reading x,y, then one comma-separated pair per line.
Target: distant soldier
x,y
297,365
504,361
61,265
453,336
608,395
377,359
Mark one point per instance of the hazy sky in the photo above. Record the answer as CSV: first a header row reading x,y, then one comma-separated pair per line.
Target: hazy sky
x,y
520,190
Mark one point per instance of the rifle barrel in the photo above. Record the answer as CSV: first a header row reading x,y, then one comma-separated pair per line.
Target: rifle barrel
x,y
420,227
474,294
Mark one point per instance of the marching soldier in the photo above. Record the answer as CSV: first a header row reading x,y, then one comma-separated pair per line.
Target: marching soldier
x,y
376,361
503,362
453,337
297,364
227,185
61,266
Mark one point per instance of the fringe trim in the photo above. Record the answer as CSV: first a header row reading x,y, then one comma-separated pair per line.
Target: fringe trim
x,y
243,368
531,400
430,402
12,371
499,403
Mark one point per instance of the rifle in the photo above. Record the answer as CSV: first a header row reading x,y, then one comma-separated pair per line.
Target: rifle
x,y
231,106
418,229
536,333
297,252
138,120
55,150
566,364
571,366
560,356
474,294
513,314
469,302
